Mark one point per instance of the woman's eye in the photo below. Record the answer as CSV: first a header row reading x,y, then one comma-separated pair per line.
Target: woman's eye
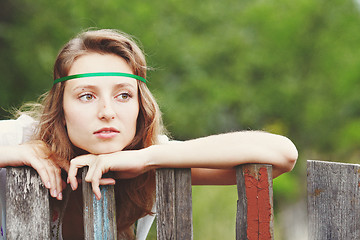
x,y
123,96
86,97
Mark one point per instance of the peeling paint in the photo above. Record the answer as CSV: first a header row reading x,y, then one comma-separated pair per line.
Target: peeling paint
x,y
258,215
101,215
317,192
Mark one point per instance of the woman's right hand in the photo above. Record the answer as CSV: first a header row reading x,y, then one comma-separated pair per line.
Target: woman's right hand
x,y
36,155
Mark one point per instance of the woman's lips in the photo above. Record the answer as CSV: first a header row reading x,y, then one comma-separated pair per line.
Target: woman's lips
x,y
106,133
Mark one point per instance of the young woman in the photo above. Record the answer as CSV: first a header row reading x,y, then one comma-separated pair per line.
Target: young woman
x,y
100,113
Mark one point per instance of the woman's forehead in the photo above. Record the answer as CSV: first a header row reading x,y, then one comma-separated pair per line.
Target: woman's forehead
x,y
95,62
101,82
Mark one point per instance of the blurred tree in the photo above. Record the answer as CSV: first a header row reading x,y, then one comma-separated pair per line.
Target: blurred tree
x,y
288,67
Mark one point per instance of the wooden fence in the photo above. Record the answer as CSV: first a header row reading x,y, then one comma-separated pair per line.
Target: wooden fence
x,y
28,211
333,204
333,200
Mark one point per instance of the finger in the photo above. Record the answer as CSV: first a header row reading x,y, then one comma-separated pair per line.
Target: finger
x,y
75,164
33,159
90,172
72,176
95,179
48,172
94,173
52,171
107,181
41,170
47,169
96,189
73,170
94,166
58,181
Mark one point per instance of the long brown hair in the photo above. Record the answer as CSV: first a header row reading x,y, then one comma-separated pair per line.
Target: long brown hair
x,y
134,197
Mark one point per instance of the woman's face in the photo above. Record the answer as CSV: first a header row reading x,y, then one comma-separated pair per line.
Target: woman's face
x,y
101,112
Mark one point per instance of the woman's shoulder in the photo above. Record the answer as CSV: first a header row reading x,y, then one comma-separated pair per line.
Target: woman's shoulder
x,y
17,131
162,139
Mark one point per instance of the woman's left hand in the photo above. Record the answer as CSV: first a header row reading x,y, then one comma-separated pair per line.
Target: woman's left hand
x,y
125,164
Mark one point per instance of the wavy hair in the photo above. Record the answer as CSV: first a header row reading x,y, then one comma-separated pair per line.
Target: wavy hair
x,y
134,197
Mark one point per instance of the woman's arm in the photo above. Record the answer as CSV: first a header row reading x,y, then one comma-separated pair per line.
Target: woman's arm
x,y
34,155
15,152
225,151
212,158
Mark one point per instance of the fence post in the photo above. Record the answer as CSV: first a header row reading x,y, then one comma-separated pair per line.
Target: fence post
x,y
27,205
255,216
333,200
99,215
174,204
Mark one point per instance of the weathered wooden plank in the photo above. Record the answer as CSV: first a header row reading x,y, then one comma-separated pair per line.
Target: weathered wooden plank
x,y
165,207
241,213
99,215
183,204
174,204
333,200
255,216
27,205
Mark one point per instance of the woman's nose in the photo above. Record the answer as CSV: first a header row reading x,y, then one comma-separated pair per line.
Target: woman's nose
x,y
106,110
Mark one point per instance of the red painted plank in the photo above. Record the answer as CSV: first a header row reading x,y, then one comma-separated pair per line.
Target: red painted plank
x,y
258,204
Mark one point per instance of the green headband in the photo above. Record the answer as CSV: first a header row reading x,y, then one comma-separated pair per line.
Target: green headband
x,y
100,74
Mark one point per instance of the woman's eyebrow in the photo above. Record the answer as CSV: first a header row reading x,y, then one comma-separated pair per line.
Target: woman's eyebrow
x,y
125,85
88,86
95,87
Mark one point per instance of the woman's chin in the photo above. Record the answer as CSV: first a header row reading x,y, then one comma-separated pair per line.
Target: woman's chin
x,y
105,150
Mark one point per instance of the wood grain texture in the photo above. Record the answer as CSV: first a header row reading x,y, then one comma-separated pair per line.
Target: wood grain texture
x,y
99,215
27,205
174,204
333,200
255,217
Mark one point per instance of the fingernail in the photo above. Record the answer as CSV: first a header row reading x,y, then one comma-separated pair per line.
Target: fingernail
x,y
54,193
72,187
48,185
60,196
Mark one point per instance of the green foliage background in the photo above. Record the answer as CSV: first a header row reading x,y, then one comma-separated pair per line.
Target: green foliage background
x,y
288,67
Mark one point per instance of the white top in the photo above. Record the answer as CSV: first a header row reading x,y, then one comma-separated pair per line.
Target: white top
x,y
14,132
